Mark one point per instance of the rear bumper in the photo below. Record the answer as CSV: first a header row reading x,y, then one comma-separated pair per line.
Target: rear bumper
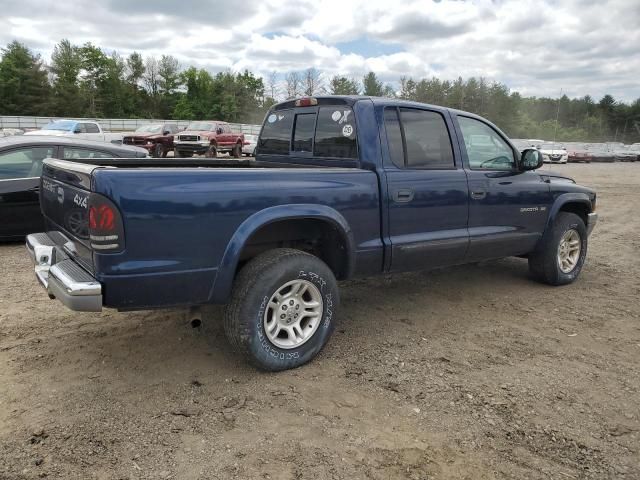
x,y
63,278
592,219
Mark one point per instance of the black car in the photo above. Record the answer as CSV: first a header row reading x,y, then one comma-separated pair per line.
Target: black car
x,y
20,168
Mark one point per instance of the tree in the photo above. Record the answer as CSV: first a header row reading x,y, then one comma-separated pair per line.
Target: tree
x,y
372,86
293,85
313,82
136,95
66,63
94,65
407,89
344,86
273,90
24,88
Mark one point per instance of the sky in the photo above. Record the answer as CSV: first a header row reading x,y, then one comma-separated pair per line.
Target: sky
x,y
537,48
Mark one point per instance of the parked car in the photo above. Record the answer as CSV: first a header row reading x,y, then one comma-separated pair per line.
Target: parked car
x,y
10,132
249,147
601,153
579,155
85,129
157,138
347,186
208,138
20,167
553,153
625,154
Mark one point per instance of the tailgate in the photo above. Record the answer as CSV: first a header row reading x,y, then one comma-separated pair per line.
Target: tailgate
x,y
64,195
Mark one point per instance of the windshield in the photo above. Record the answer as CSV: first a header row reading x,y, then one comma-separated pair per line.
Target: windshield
x,y
153,128
64,125
203,126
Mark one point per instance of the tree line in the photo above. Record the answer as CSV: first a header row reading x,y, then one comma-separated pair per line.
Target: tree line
x,y
85,81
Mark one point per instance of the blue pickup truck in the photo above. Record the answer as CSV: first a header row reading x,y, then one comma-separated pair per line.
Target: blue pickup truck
x,y
341,187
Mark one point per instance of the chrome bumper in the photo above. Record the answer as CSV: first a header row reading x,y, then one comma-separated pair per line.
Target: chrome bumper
x,y
63,278
592,219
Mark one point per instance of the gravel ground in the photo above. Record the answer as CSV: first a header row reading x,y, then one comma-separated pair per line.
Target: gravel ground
x,y
470,372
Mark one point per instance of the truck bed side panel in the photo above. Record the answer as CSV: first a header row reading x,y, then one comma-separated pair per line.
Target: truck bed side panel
x,y
178,223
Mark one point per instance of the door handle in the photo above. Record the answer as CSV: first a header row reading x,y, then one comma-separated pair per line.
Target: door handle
x,y
403,195
478,195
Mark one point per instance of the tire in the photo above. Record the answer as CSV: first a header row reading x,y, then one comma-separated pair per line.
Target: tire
x,y
544,263
212,152
158,151
237,151
250,310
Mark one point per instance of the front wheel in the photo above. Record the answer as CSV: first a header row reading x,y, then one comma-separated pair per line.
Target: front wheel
x,y
561,255
212,152
282,310
237,151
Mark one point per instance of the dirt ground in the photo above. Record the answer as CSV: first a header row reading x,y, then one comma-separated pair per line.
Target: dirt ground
x,y
473,372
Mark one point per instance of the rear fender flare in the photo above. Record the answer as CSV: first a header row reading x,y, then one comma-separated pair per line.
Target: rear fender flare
x,y
226,271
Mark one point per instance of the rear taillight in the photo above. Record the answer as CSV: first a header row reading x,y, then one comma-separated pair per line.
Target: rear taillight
x,y
106,232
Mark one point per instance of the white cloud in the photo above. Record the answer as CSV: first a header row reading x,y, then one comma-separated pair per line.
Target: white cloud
x,y
535,47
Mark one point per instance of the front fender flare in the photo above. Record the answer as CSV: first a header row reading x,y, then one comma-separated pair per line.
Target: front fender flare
x,y
561,200
226,271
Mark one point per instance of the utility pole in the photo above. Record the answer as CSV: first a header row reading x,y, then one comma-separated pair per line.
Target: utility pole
x,y
555,132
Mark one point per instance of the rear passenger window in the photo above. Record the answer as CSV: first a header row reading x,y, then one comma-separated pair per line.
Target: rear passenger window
x,y
418,138
426,137
303,133
335,133
92,128
394,136
276,133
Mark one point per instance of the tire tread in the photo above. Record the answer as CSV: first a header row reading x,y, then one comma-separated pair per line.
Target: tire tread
x,y
235,328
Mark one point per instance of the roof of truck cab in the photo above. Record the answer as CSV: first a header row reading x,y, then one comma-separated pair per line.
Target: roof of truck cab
x,y
383,101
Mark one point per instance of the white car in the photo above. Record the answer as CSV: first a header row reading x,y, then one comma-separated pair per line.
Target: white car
x,y
250,143
553,153
10,132
87,129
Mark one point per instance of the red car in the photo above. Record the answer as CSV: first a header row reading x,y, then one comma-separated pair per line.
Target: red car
x,y
580,156
157,138
208,138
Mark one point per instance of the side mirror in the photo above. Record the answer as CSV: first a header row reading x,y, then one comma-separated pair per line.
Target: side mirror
x,y
166,132
77,130
531,159
219,130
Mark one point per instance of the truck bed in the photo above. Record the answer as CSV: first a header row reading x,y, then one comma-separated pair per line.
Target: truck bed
x,y
184,219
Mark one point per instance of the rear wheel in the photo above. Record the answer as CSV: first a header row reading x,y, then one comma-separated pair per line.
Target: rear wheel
x,y
282,309
562,253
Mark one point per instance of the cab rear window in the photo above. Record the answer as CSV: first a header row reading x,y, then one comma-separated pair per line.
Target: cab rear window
x,y
328,132
335,133
275,138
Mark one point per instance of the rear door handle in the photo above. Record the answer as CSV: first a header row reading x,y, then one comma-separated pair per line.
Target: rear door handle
x,y
478,195
403,195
